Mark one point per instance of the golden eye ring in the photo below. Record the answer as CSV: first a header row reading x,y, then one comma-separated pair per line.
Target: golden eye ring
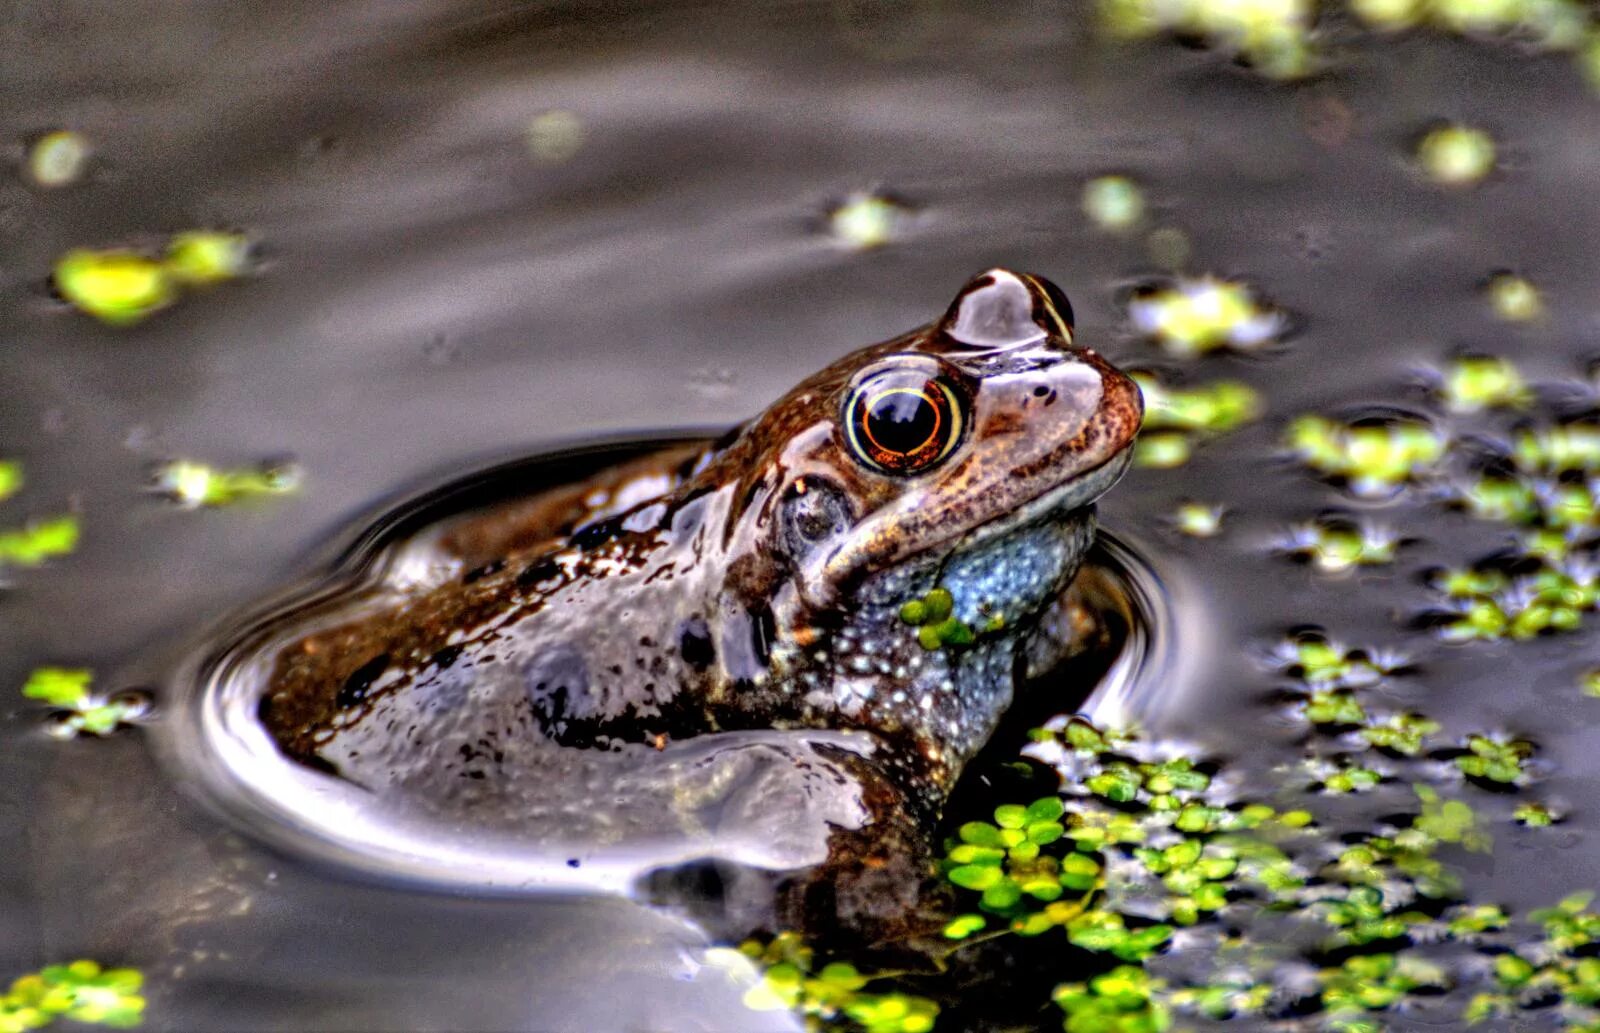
x,y
903,421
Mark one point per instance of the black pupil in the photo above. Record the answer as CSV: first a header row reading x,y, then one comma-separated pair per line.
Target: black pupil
x,y
901,421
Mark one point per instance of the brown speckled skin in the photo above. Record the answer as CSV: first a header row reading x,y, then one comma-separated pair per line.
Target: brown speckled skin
x,y
698,611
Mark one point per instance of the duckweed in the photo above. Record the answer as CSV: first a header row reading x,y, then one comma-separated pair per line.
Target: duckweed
x,y
1456,156
1514,298
832,996
116,287
39,541
1535,815
58,158
200,258
867,221
1273,36
1193,316
1123,1000
1113,202
10,478
1496,759
1475,384
1139,845
81,990
193,485
1198,519
78,709
1372,459
123,287
1162,451
1177,418
555,136
1336,545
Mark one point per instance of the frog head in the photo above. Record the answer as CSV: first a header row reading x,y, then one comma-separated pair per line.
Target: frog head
x,y
962,458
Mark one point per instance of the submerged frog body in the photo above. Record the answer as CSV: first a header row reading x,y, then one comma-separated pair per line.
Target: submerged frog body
x,y
873,553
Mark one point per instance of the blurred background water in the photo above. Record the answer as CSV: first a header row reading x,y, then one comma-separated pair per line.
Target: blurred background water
x,y
486,229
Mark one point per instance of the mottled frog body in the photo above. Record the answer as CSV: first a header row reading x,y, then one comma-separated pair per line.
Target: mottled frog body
x,y
871,554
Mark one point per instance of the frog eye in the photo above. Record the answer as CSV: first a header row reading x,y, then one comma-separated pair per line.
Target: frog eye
x,y
903,421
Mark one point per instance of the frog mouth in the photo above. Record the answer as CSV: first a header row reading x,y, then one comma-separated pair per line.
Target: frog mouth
x,y
1075,493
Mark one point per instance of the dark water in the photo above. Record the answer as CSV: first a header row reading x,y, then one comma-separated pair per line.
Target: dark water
x,y
432,299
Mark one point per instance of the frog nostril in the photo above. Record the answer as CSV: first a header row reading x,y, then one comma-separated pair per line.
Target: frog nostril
x,y
1040,390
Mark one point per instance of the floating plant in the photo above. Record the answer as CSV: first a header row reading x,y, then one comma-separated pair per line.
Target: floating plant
x,y
1194,316
1176,419
194,485
121,287
78,709
82,991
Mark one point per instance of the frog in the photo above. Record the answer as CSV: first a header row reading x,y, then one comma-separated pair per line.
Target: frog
x,y
883,552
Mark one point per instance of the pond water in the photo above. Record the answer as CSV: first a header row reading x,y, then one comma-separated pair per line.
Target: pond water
x,y
448,277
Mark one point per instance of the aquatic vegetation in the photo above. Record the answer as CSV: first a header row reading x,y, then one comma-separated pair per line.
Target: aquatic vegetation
x,y
116,287
38,541
1113,202
1513,298
199,258
1280,38
1120,1001
193,485
1337,544
123,287
832,996
79,710
1536,815
1313,658
58,158
1198,519
1496,759
868,220
936,625
1175,419
1162,450
1272,36
82,991
1373,458
1477,383
1456,156
555,136
1195,315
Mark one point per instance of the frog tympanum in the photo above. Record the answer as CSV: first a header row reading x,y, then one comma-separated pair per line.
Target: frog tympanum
x,y
872,554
